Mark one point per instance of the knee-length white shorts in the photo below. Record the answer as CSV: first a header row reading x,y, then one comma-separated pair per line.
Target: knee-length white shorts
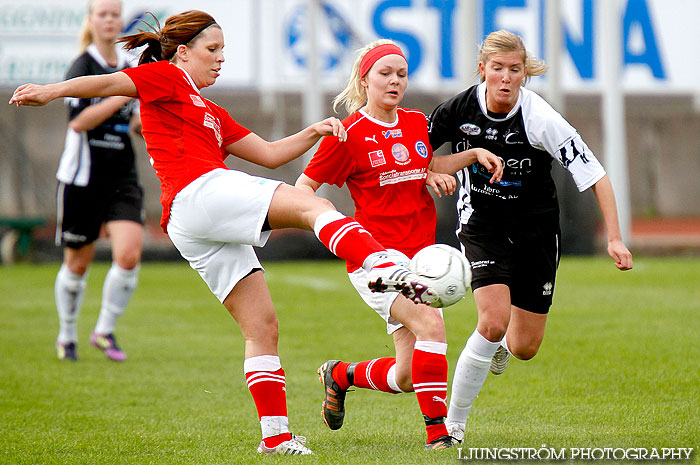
x,y
216,220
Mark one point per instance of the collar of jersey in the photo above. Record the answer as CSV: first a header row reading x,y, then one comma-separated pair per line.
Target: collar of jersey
x,y
481,96
189,79
381,123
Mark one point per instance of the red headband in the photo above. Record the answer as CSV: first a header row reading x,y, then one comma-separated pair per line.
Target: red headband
x,y
375,54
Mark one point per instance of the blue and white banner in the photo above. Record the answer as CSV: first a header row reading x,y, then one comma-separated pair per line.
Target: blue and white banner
x,y
267,40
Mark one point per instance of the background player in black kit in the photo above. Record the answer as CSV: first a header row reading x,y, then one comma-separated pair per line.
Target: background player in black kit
x,y
510,229
98,186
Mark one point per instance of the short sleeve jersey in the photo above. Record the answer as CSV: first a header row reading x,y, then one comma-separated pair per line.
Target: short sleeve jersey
x,y
385,166
103,155
185,133
527,139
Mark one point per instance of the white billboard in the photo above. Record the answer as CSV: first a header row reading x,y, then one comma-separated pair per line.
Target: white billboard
x,y
267,40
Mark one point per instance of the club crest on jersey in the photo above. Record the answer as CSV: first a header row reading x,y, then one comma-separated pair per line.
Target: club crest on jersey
x,y
197,100
392,133
400,154
470,129
376,158
422,149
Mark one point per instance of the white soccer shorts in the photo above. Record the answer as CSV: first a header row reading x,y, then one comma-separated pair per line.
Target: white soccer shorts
x,y
216,220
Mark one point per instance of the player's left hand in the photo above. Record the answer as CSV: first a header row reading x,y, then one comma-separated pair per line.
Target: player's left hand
x,y
441,182
622,256
331,127
491,162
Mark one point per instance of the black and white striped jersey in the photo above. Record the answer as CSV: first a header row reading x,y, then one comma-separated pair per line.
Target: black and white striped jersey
x,y
527,140
104,153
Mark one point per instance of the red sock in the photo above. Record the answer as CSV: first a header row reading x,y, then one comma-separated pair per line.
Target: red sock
x,y
371,374
429,374
347,239
268,390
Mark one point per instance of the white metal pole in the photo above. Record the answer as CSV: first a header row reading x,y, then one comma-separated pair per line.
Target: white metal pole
x,y
614,110
470,42
553,41
312,110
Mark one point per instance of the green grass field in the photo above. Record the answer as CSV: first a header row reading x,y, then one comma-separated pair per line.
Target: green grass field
x,y
619,367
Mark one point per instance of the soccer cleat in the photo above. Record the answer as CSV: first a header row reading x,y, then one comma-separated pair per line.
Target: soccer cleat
x,y
67,351
397,278
443,442
500,359
456,431
108,344
294,446
333,411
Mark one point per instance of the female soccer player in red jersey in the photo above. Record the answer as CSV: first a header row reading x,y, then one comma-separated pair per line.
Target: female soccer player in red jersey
x,y
215,215
386,164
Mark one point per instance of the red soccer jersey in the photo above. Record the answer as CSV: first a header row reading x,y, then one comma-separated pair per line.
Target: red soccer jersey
x,y
185,133
384,166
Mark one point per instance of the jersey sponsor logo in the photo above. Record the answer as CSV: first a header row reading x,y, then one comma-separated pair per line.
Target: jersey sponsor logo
x,y
482,263
376,158
373,139
395,177
491,133
212,123
392,133
400,154
512,137
470,129
422,149
570,146
197,100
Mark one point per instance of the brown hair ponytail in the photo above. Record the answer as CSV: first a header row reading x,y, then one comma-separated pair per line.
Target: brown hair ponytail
x,y
162,42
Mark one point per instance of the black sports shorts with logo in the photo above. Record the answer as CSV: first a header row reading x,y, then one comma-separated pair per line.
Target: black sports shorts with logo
x,y
82,210
524,259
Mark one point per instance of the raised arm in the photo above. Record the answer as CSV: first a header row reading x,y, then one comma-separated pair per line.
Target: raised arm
x,y
275,154
103,85
606,200
450,164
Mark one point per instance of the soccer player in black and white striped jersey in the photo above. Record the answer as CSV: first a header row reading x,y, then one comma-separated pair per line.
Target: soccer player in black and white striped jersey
x,y
510,229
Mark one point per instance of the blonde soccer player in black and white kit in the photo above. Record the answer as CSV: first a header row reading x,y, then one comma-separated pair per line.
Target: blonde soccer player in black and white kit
x,y
510,229
98,186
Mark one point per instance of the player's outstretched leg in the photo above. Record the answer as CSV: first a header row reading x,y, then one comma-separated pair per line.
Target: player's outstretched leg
x,y
349,240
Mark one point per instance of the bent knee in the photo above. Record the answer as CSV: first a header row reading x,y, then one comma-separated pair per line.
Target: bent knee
x,y
525,353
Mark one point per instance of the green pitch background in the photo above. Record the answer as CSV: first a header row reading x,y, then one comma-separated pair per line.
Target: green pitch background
x,y
619,367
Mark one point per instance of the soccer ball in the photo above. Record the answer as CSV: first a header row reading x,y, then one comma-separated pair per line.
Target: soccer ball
x,y
447,271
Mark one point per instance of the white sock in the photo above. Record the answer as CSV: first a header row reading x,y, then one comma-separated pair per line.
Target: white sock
x,y
470,375
69,291
116,293
391,379
273,426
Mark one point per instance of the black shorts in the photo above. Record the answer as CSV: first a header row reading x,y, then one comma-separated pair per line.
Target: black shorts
x,y
525,260
81,211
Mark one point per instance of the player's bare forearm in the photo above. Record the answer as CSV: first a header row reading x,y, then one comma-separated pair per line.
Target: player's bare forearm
x,y
450,164
94,115
606,200
105,85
